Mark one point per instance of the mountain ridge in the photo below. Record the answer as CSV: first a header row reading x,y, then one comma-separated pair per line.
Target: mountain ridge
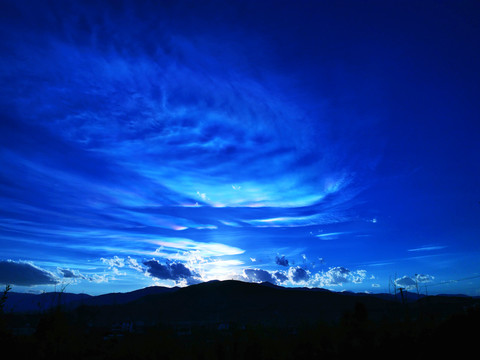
x,y
213,293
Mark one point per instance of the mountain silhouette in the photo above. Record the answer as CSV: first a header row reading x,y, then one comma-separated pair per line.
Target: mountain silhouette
x,y
235,302
25,302
237,320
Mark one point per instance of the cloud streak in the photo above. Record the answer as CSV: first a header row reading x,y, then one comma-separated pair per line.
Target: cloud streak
x,y
428,248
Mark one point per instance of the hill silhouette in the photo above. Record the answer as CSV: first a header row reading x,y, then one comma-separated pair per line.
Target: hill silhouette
x,y
238,320
236,301
25,302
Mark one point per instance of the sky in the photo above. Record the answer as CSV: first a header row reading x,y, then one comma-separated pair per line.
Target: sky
x,y
330,144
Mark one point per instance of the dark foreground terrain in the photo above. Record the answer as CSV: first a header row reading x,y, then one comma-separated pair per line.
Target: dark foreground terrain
x,y
235,320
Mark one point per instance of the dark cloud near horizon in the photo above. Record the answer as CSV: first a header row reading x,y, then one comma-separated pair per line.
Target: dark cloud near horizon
x,y
281,277
298,274
25,274
258,275
170,271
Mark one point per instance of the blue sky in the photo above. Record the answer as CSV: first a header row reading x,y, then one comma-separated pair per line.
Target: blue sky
x,y
324,144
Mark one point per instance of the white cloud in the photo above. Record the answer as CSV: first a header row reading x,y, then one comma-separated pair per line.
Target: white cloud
x,y
427,248
329,236
424,278
358,276
133,264
339,275
297,221
230,223
406,282
114,262
412,282
217,269
203,196
204,249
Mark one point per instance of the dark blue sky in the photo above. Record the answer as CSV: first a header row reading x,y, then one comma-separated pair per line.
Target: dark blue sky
x,y
325,144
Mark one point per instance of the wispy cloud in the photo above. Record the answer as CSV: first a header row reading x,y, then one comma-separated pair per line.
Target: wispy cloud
x,y
299,221
428,248
186,245
330,236
162,140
